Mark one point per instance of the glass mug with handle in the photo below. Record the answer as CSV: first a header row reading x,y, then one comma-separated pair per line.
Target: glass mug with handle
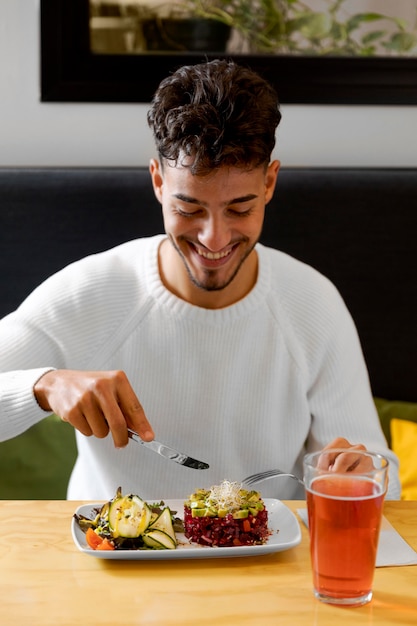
x,y
344,503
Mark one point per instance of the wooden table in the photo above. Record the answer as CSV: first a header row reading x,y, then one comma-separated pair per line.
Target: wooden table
x,y
46,580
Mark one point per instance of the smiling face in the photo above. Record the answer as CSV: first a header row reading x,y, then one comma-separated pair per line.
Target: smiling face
x,y
213,223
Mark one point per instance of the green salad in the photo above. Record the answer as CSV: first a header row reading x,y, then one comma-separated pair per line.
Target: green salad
x,y
129,523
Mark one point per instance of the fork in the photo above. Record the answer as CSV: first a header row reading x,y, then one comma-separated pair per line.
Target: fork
x,y
268,474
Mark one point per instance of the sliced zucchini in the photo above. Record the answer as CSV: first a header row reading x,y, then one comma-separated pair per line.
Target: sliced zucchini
x,y
164,522
159,540
129,516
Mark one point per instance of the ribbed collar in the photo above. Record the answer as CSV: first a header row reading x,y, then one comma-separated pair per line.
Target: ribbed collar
x,y
180,308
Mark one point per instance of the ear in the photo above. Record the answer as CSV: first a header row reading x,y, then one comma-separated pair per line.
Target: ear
x,y
271,179
157,179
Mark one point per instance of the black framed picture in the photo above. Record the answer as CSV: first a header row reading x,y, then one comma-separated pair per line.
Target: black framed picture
x,y
71,72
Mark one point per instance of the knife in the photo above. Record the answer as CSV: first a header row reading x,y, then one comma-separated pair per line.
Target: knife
x,y
168,453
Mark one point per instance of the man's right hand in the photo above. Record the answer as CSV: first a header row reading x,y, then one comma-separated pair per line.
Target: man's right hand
x,y
94,403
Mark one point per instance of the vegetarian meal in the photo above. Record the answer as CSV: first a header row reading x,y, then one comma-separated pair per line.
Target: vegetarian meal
x,y
226,515
129,523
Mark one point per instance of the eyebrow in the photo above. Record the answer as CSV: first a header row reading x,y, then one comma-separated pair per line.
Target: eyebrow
x,y
191,200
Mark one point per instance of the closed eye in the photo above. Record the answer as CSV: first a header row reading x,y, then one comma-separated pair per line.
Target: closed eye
x,y
183,213
237,213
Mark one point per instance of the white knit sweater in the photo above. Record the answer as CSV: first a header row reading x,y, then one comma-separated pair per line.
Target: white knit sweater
x,y
249,387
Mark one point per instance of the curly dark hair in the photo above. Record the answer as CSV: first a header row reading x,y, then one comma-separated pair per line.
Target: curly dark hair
x,y
214,114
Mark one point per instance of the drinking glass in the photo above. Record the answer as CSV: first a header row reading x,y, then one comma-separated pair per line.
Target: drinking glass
x,y
345,491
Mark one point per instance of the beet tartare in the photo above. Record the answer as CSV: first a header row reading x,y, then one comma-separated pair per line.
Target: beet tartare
x,y
226,515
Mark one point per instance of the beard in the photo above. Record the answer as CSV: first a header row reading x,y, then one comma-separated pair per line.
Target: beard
x,y
210,280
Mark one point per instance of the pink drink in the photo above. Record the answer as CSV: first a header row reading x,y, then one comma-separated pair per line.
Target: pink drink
x,y
344,520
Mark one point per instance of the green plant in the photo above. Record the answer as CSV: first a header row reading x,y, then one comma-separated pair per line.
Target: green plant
x,y
336,32
291,26
261,24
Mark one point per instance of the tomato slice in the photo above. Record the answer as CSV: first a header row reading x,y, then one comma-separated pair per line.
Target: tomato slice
x,y
105,545
93,539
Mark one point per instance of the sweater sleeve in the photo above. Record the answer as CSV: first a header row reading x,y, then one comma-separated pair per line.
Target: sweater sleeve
x,y
18,407
324,342
63,324
340,396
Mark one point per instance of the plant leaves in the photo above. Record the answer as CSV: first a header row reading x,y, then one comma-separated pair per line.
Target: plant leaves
x,y
312,25
359,19
401,42
374,36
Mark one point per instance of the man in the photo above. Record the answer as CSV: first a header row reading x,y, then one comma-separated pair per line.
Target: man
x,y
232,352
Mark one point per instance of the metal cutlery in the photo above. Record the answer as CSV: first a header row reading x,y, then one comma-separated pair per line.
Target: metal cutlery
x,y
261,476
168,453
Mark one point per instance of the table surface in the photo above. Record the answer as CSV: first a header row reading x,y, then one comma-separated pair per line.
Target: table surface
x,y
45,579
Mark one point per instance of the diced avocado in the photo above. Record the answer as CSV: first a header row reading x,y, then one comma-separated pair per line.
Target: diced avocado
x,y
224,499
206,512
196,504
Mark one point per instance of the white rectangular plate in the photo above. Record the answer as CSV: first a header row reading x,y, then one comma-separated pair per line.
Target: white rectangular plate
x,y
284,527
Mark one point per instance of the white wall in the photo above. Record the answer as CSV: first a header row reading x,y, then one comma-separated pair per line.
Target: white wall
x,y
35,133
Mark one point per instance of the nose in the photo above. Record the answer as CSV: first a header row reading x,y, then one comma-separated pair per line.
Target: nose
x,y
214,233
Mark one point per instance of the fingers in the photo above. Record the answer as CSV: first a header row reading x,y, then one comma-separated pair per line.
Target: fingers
x,y
341,461
113,405
101,407
87,417
95,403
131,409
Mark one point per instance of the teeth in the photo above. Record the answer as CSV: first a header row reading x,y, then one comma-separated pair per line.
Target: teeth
x,y
213,255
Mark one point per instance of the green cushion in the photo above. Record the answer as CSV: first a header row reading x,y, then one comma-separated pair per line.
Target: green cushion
x,y
389,409
37,464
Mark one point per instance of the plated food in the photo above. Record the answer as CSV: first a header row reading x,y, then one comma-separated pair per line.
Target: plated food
x,y
129,523
228,521
226,515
